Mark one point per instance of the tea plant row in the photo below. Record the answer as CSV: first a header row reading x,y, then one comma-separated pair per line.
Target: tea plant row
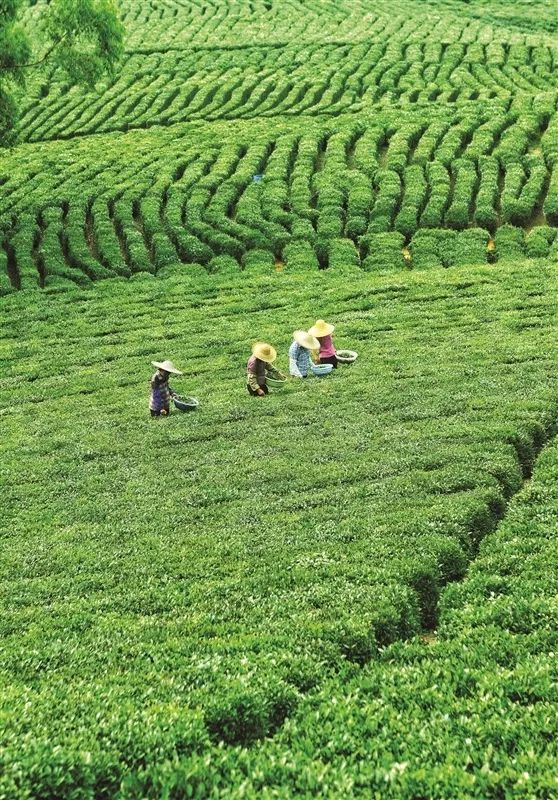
x,y
173,24
381,194
470,712
164,88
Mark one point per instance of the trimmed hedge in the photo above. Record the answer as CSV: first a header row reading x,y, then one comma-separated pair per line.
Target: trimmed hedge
x,y
383,251
510,243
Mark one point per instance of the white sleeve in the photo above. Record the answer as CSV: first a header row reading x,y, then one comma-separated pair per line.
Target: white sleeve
x,y
293,368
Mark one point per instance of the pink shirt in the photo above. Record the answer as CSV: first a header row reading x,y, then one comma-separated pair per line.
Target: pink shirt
x,y
327,348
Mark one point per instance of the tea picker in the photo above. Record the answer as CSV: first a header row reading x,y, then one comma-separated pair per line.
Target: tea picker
x,y
322,331
300,361
259,368
162,392
328,354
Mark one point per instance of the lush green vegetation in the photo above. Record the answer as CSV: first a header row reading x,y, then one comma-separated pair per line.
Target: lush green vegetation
x,y
351,191
400,120
168,585
82,39
346,589
470,713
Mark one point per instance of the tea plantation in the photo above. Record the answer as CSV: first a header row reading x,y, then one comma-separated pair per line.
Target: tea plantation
x,y
348,588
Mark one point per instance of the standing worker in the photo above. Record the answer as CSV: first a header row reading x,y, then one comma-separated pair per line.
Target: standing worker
x,y
161,392
259,366
322,331
300,361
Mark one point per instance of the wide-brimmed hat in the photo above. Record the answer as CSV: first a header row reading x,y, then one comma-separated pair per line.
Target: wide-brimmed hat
x,y
167,366
305,339
321,328
265,352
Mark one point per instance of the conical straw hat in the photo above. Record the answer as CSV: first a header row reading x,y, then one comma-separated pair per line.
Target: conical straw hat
x,y
321,328
167,366
265,352
305,339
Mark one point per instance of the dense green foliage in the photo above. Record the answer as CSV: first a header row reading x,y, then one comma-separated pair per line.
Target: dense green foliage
x,y
170,584
14,50
351,191
346,589
470,713
83,39
407,118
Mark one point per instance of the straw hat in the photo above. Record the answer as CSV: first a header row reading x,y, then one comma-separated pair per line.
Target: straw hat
x,y
167,366
305,339
265,352
321,328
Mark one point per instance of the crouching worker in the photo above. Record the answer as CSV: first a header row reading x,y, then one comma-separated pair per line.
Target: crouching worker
x,y
300,362
322,331
161,392
259,366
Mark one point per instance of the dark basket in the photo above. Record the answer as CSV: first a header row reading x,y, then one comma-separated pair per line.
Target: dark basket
x,y
186,403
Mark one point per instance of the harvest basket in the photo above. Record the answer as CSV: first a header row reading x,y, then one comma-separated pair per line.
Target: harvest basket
x,y
347,356
276,383
186,403
321,369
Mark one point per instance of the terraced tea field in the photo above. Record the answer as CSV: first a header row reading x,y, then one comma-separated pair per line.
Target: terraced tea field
x,y
347,589
379,135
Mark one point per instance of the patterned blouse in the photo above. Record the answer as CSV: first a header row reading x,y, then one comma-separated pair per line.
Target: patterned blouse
x,y
160,392
299,360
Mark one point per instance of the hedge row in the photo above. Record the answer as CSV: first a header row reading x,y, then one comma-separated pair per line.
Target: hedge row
x,y
470,713
170,87
189,198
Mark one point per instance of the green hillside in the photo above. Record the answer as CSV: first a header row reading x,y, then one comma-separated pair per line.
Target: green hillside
x,y
346,589
409,118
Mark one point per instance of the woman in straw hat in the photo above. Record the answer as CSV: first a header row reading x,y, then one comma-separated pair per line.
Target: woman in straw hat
x,y
300,361
161,392
259,366
322,331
